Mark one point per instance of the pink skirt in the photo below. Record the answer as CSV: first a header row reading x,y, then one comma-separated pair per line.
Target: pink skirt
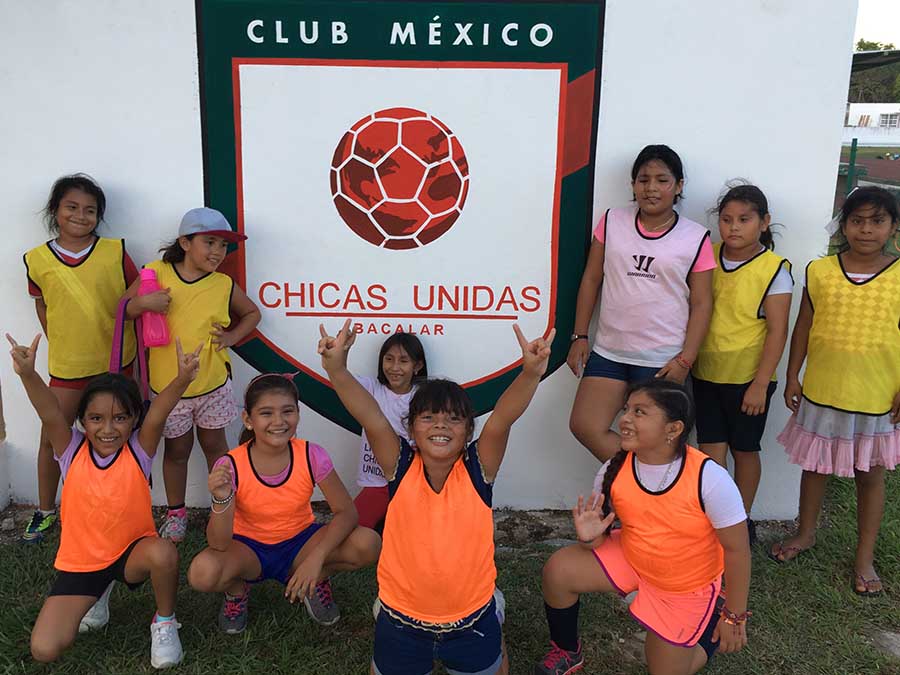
x,y
834,442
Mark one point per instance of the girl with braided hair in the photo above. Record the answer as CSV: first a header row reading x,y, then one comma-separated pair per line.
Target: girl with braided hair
x,y
683,528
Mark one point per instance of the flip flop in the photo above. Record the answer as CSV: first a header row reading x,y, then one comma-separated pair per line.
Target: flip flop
x,y
782,550
866,584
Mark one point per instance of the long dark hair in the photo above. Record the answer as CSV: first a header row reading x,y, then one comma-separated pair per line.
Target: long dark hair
x,y
439,395
752,195
260,385
77,181
871,196
664,154
678,406
412,346
123,389
172,252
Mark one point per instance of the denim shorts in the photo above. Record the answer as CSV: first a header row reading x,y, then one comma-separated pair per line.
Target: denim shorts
x,y
600,366
276,559
403,649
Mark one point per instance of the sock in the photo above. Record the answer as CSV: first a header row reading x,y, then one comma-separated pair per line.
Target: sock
x,y
178,509
48,512
564,626
160,619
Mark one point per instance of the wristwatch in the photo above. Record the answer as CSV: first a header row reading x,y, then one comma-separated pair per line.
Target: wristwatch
x,y
577,336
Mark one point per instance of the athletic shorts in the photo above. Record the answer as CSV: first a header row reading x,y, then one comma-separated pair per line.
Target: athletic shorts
x,y
82,382
371,504
680,619
600,366
94,583
214,410
276,559
402,648
719,416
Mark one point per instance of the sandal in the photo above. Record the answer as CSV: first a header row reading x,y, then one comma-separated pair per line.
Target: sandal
x,y
867,585
793,551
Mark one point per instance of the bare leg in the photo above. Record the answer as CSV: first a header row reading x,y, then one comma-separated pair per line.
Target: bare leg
x,y
213,443
869,511
747,472
664,658
48,468
175,464
571,571
597,402
718,451
360,549
214,571
158,559
812,494
57,625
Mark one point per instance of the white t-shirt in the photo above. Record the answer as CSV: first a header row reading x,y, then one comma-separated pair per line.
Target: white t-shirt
x,y
721,497
395,408
782,284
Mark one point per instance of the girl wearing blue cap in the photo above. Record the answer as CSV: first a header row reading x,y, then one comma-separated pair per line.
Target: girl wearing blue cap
x,y
199,304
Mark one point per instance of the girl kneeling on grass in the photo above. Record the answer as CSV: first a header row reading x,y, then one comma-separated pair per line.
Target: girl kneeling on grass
x,y
436,574
683,525
262,525
107,524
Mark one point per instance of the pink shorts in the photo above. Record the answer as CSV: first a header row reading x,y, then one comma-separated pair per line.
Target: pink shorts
x,y
677,618
214,410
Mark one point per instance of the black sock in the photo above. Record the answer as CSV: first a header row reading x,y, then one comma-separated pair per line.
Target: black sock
x,y
176,506
564,626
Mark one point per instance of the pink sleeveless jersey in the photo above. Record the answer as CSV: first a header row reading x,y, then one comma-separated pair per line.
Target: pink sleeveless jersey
x,y
644,300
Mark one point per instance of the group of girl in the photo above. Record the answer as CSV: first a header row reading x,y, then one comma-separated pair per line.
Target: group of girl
x,y
671,304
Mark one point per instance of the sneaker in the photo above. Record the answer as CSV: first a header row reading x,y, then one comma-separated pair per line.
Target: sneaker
x,y
174,526
321,605
98,615
165,647
39,525
560,662
233,615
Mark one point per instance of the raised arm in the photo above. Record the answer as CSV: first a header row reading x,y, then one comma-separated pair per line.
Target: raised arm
x,y
45,404
799,344
383,439
152,428
591,279
513,402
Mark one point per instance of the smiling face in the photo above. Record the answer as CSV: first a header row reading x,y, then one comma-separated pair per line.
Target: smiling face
x,y
644,425
868,229
76,215
399,369
655,188
203,253
107,423
273,418
740,227
440,435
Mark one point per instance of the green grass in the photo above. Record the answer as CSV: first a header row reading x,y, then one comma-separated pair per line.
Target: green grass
x,y
867,152
806,619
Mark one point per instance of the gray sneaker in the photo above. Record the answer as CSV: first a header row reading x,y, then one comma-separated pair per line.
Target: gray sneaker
x,y
233,615
321,606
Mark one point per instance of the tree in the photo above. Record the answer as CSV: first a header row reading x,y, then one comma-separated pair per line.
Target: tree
x,y
872,46
897,88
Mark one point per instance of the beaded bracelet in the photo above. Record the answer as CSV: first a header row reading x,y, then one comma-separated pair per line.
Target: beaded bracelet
x,y
684,363
227,499
733,619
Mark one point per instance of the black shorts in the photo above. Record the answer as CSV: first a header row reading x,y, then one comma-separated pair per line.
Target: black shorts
x,y
719,416
94,583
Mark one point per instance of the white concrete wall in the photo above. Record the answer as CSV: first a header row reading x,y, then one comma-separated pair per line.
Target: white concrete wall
x,y
872,136
873,110
111,88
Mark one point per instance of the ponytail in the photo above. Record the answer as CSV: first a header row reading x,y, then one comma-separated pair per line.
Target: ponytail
x,y
612,470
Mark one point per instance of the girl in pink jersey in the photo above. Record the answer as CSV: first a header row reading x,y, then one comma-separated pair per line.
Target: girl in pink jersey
x,y
655,267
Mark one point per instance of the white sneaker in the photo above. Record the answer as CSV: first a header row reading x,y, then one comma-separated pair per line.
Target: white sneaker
x,y
98,615
165,647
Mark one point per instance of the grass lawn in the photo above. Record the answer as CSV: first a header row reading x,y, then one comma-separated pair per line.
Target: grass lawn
x,y
806,619
867,152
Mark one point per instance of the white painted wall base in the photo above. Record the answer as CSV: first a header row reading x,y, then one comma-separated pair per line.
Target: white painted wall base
x,y
110,88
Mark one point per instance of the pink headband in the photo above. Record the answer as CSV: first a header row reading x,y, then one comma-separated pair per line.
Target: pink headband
x,y
287,376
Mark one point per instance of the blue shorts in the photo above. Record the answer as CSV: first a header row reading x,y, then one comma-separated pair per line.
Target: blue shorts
x,y
402,649
600,366
276,559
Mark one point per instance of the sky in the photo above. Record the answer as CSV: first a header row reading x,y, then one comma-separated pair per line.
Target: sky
x,y
878,21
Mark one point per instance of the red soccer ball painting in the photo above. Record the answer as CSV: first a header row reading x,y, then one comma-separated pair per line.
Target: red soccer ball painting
x,y
399,178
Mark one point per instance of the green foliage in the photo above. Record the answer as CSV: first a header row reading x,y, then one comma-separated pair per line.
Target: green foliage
x,y
870,46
